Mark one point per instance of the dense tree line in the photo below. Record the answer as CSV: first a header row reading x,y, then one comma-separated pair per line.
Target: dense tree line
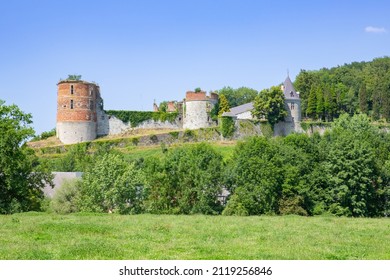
x,y
345,172
358,87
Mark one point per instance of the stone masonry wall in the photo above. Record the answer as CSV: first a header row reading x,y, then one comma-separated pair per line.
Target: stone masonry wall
x,y
196,115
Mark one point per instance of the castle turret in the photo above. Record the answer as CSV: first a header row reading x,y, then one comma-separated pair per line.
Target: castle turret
x,y
292,102
77,103
197,108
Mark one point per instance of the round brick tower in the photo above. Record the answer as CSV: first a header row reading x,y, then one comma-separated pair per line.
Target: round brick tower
x,y
76,111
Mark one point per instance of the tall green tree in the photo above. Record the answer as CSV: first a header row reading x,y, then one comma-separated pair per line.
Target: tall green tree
x,y
312,102
238,96
223,105
21,177
112,184
320,109
256,181
270,104
185,181
352,165
363,106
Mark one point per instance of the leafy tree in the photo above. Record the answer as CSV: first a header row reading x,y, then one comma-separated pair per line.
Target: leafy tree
x,y
65,199
112,184
198,89
352,166
77,159
270,104
256,183
186,181
239,96
163,106
223,105
21,178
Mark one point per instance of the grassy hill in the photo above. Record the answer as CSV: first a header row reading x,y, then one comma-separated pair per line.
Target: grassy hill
x,y
139,143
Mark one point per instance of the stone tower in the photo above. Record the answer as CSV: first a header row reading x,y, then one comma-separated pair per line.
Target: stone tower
x,y
197,108
78,104
292,102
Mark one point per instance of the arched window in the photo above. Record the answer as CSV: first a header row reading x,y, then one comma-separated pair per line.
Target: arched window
x,y
71,89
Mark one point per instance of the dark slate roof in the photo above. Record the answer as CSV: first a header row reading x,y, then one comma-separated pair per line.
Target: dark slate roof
x,y
289,91
242,108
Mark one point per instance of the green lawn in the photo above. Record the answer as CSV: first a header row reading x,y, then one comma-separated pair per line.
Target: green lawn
x,y
91,236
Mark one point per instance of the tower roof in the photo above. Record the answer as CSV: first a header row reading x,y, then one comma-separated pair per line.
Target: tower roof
x,y
289,90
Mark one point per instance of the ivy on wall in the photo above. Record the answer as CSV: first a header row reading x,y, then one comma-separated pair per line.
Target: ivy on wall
x,y
137,117
227,126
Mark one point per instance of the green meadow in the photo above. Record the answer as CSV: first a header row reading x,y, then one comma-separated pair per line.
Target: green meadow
x,y
147,237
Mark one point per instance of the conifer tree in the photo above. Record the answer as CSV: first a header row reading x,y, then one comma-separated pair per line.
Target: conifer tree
x,y
312,102
223,105
320,103
363,99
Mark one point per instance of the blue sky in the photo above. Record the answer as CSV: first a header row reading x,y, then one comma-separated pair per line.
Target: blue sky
x,y
138,51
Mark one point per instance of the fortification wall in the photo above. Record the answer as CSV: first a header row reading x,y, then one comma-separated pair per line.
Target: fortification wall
x,y
286,128
196,115
113,125
103,126
75,132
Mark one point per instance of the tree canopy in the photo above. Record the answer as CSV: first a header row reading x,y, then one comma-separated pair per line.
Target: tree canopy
x,y
358,87
21,181
269,104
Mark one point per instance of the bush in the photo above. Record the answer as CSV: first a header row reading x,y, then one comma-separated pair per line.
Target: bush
x,y
266,129
174,134
44,135
227,126
135,141
235,208
153,138
112,184
65,199
188,135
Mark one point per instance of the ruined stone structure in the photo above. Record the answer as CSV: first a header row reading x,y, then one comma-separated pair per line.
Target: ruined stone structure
x,y
196,109
81,116
78,106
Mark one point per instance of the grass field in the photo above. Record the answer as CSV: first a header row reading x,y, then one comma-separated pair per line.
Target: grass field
x,y
92,236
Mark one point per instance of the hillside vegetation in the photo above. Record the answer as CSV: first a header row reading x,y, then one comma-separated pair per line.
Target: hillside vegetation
x,y
358,87
345,173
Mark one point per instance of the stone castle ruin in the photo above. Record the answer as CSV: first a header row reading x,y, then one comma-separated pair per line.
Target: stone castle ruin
x,y
81,116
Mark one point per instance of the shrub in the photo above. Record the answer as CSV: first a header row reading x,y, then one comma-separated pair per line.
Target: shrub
x,y
266,129
65,199
188,134
135,141
227,126
174,134
235,208
153,138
